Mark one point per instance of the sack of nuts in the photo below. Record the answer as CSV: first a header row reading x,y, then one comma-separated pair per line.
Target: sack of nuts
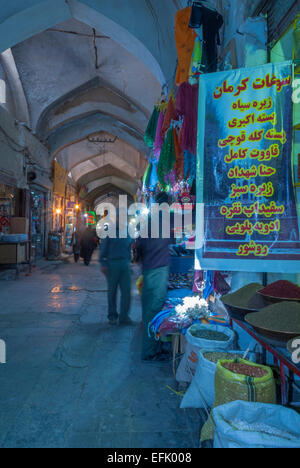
x,y
240,380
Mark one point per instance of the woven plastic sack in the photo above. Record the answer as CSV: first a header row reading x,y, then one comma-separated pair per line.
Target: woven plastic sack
x,y
232,387
188,365
256,425
202,343
201,393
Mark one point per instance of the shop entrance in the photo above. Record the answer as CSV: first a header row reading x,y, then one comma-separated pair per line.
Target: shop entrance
x,y
38,223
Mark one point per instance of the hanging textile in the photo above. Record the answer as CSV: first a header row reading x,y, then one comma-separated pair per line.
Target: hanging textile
x,y
189,167
151,128
209,282
153,179
185,38
196,67
187,107
147,176
179,164
167,159
158,137
212,22
169,116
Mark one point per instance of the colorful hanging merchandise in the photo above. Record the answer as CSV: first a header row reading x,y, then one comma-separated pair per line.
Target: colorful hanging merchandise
x,y
158,137
167,159
196,67
169,116
150,133
189,167
185,39
187,107
147,177
179,165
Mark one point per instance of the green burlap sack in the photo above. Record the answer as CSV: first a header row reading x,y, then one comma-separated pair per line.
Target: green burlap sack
x,y
232,387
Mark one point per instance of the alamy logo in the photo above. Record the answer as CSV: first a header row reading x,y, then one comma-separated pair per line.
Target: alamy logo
x,y
296,93
296,351
2,92
2,352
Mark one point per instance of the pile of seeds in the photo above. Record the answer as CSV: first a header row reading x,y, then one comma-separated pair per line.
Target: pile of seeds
x,y
215,356
282,289
281,317
262,428
245,369
243,296
211,335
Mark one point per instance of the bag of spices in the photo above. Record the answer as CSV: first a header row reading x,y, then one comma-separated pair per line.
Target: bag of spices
x,y
240,380
201,393
210,337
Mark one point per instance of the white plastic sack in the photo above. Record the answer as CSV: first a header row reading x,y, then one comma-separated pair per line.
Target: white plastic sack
x,y
188,365
241,424
201,393
202,343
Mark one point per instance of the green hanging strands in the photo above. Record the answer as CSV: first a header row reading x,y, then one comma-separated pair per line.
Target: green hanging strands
x,y
151,128
167,159
147,175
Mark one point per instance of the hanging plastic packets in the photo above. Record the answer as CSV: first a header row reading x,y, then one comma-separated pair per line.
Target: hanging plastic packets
x,y
151,128
167,159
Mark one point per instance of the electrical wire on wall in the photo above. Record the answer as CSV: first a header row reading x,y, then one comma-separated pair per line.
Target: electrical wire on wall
x,y
17,148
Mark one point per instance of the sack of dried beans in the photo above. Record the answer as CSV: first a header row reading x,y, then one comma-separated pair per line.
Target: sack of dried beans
x,y
201,393
210,337
240,380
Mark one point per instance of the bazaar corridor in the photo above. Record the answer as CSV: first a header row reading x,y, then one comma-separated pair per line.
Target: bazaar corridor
x,y
71,380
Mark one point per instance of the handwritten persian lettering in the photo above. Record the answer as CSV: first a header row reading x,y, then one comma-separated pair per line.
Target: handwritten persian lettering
x,y
269,81
265,104
241,229
247,155
264,190
237,209
261,171
252,248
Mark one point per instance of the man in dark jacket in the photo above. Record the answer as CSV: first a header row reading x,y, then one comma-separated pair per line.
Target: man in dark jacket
x,y
115,259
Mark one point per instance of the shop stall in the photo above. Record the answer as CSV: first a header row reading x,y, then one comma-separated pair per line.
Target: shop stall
x,y
14,240
226,143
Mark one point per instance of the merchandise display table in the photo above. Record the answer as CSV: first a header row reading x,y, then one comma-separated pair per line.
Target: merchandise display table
x,y
15,254
281,357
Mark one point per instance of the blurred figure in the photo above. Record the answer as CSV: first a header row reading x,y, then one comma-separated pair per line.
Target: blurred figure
x,y
88,244
154,255
76,241
115,259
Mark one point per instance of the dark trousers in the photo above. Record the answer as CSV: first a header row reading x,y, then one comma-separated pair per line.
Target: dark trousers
x,y
155,291
119,276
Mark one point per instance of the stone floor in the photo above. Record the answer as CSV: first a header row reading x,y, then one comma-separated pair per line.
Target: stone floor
x,y
71,380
